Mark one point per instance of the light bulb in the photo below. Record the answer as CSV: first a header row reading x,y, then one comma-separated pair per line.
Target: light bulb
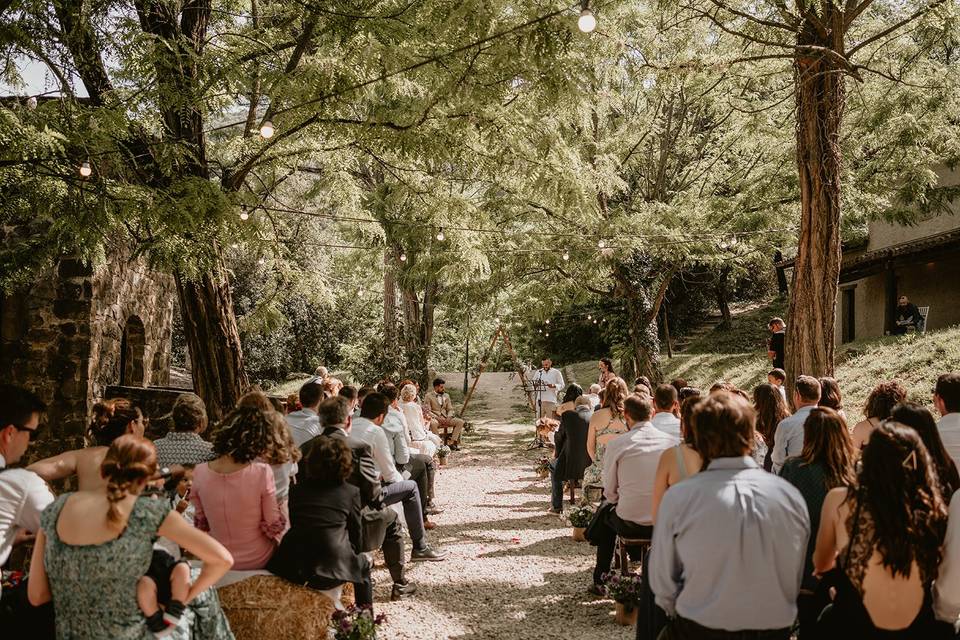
x,y
440,235
234,246
548,320
547,334
31,103
403,257
86,170
539,330
594,322
244,215
589,316
267,130
566,255
587,22
601,243
261,262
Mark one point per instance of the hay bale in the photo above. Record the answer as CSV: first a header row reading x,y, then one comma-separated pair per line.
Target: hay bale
x,y
270,608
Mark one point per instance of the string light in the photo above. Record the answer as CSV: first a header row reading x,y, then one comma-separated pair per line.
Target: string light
x,y
547,334
234,246
261,262
244,215
403,257
267,130
31,103
589,317
566,255
86,170
548,321
594,322
601,243
587,22
440,235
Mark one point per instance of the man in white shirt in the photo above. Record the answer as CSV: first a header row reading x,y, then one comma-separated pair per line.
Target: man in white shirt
x,y
666,407
547,382
946,397
629,469
368,429
946,590
788,438
305,424
23,494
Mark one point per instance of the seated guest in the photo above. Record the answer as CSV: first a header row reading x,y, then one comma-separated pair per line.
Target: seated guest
x,y
777,378
772,409
183,445
305,424
23,497
111,419
324,546
351,393
825,463
687,392
440,410
678,462
235,495
569,401
830,396
679,384
380,528
96,544
417,466
629,470
728,539
362,393
907,315
665,410
367,429
594,396
881,401
644,381
946,398
570,451
421,438
883,537
788,437
332,386
922,421
605,424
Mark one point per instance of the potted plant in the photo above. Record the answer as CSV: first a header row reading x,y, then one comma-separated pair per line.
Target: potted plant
x,y
624,590
442,452
543,467
355,623
579,518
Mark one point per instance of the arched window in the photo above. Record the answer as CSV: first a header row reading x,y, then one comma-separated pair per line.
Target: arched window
x,y
132,347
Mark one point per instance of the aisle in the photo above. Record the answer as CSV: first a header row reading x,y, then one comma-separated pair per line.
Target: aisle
x,y
513,570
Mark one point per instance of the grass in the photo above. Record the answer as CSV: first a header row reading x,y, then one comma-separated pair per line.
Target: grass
x,y
747,332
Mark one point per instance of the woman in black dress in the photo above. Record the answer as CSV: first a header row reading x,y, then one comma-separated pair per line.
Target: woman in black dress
x,y
322,549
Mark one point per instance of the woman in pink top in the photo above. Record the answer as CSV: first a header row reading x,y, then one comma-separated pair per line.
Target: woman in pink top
x,y
235,496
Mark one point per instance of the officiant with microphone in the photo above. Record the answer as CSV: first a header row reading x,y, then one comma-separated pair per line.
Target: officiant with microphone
x,y
548,381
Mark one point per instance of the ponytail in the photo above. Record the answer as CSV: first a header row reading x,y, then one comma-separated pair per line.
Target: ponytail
x,y
129,463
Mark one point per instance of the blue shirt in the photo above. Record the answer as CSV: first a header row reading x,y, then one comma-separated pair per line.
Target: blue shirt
x,y
728,548
395,426
788,438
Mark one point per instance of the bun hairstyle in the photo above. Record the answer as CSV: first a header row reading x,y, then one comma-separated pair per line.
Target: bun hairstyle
x,y
111,418
130,462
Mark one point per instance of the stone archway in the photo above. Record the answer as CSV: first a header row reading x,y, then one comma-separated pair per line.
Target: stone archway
x,y
132,350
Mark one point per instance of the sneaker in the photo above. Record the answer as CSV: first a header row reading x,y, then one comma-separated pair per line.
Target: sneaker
x,y
159,627
174,612
402,589
427,555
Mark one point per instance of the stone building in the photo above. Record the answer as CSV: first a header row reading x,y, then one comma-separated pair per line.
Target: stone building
x,y
81,328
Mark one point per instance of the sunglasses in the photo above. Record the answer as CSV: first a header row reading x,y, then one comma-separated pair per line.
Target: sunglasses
x,y
34,433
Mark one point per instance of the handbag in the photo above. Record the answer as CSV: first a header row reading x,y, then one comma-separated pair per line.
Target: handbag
x,y
600,513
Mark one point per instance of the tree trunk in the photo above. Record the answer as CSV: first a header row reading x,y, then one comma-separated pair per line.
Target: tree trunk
x,y
213,339
820,100
418,331
644,339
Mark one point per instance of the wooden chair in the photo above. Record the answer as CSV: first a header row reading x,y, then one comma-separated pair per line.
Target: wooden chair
x,y
621,558
924,312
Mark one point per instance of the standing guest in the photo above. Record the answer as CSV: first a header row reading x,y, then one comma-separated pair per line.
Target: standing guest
x,y
883,539
830,396
570,451
548,382
788,438
727,539
907,315
419,467
922,421
235,495
666,407
111,419
396,489
778,378
605,425
305,424
594,396
351,393
441,412
324,547
946,398
776,345
184,445
825,463
606,372
23,497
630,467
421,438
881,401
91,569
679,462
771,408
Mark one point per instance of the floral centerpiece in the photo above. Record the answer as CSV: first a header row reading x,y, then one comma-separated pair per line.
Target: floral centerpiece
x,y
580,518
442,452
355,623
625,591
543,467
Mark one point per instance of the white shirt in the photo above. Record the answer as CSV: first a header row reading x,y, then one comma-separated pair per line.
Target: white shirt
x,y
629,469
788,438
367,432
949,427
23,497
594,401
395,425
304,425
549,376
946,590
668,423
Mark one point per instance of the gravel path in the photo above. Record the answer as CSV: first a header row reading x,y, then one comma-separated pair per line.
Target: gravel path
x,y
513,570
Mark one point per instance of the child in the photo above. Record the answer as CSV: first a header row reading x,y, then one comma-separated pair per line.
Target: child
x,y
777,378
167,581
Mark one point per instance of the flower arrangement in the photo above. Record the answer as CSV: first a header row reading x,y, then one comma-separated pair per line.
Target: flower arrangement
x,y
356,623
543,467
580,516
443,451
624,589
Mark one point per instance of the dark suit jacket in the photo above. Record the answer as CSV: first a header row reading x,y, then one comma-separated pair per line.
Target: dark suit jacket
x,y
571,445
324,539
778,346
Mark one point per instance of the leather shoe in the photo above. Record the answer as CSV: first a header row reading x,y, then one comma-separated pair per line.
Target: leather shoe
x,y
400,590
429,526
455,447
427,554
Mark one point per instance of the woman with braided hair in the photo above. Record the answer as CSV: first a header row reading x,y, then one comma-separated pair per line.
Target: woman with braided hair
x,y
111,419
95,546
